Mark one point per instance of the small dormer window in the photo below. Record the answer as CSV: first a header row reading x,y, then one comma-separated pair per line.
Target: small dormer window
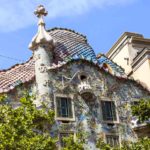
x,y
83,77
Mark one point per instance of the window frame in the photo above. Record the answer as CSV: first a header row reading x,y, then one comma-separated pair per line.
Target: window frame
x,y
65,132
69,96
117,116
113,134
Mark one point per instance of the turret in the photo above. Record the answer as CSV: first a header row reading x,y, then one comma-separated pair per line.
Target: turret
x,y
42,46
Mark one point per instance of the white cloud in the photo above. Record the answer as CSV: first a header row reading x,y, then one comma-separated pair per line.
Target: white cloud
x,y
17,14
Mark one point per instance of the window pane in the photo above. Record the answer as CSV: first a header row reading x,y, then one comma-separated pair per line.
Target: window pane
x,y
108,110
113,111
58,101
70,109
64,107
104,110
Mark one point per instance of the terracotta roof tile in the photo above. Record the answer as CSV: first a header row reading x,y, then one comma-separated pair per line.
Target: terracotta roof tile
x,y
16,75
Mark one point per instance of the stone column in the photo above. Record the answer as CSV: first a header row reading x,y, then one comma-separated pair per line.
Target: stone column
x,y
42,46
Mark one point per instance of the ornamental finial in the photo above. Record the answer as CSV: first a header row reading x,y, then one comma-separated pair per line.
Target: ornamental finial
x,y
40,11
42,36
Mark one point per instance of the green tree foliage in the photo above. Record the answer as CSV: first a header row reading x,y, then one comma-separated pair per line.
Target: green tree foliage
x,y
28,128
142,110
102,145
25,127
141,144
72,143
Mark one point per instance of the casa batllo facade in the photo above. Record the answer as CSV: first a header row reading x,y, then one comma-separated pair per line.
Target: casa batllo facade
x,y
88,94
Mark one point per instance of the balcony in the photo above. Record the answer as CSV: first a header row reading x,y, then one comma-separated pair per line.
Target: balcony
x,y
84,87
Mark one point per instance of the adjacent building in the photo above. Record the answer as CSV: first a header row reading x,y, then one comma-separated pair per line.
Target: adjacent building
x,y
132,53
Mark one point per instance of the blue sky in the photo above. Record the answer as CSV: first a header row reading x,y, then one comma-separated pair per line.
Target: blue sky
x,y
102,21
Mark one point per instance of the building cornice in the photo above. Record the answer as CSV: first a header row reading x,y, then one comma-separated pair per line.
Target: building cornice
x,y
120,41
140,59
140,40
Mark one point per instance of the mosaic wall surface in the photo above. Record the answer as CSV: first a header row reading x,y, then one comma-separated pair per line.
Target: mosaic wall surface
x,y
88,112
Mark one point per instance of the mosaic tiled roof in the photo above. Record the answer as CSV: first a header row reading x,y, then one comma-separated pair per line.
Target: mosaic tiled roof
x,y
116,69
17,74
70,45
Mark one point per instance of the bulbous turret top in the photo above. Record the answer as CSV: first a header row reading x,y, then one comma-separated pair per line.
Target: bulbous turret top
x,y
42,36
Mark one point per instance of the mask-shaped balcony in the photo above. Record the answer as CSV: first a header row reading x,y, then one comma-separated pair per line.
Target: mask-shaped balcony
x,y
84,86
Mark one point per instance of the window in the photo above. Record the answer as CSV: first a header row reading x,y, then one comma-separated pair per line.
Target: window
x,y
112,140
64,107
65,135
109,111
83,77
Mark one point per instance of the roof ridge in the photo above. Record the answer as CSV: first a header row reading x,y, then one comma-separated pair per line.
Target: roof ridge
x,y
71,30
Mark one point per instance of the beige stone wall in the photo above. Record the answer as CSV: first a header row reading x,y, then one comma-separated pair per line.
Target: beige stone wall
x,y
119,59
133,51
143,73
